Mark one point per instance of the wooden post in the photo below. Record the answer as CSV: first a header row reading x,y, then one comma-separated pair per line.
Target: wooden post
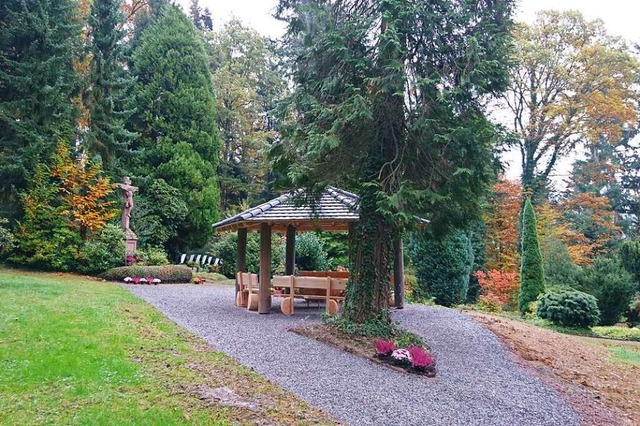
x,y
264,298
241,258
398,273
290,256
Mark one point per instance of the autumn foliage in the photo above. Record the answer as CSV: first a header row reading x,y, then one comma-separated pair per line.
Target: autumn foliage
x,y
501,235
497,286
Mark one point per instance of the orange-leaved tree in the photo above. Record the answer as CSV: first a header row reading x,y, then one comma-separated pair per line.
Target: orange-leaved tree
x,y
499,288
501,221
83,193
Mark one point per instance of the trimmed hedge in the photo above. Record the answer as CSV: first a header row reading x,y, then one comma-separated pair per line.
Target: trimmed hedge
x,y
167,274
569,308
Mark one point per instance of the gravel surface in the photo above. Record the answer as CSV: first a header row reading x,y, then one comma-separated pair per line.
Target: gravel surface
x,y
478,383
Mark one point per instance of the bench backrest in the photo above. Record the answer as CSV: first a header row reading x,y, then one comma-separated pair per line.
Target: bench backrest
x,y
332,274
247,280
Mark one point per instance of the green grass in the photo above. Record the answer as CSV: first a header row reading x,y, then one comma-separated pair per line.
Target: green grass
x,y
627,355
73,351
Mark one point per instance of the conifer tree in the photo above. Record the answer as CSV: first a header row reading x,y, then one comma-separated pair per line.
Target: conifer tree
x,y
176,121
388,103
531,272
108,96
37,80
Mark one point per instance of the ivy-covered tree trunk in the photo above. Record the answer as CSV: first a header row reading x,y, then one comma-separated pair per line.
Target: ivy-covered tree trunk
x,y
370,263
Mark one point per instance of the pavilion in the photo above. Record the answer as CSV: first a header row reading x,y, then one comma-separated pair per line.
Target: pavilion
x,y
333,210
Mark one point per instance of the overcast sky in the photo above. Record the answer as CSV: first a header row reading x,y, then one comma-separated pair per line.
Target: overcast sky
x,y
620,18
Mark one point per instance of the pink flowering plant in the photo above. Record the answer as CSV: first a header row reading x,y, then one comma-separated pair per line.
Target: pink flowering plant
x,y
384,347
408,353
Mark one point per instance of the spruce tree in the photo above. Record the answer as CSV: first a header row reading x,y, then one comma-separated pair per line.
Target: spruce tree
x,y
176,120
108,96
531,272
37,80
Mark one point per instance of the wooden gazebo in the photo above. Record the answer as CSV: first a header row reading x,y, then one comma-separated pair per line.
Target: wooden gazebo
x,y
333,210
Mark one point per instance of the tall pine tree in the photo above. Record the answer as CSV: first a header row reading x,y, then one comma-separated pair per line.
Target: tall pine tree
x,y
37,80
176,120
388,102
107,98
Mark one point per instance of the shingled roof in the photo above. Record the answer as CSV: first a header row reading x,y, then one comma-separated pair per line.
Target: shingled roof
x,y
333,210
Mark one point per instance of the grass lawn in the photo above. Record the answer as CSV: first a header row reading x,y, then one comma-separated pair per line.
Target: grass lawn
x,y
76,351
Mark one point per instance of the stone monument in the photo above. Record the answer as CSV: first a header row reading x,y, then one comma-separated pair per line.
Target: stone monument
x,y
127,196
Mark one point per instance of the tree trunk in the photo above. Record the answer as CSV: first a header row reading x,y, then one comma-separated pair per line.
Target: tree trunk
x,y
371,260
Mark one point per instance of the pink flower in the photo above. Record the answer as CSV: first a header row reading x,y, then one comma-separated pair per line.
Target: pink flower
x,y
384,347
401,356
420,358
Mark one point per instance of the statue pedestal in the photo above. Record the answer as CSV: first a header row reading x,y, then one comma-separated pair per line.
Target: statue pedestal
x,y
131,241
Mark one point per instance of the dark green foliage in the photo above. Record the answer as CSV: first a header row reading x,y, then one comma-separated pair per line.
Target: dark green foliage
x,y
630,259
159,211
443,266
108,95
632,314
168,273
37,80
612,285
7,240
399,121
176,121
559,269
569,308
476,238
226,248
531,272
154,256
310,253
103,252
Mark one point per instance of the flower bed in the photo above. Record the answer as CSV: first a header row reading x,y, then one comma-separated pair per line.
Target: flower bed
x,y
414,359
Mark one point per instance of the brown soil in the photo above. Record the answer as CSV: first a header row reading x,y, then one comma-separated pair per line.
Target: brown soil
x,y
357,345
601,391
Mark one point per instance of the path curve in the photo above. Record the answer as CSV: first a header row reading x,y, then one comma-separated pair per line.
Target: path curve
x,y
478,383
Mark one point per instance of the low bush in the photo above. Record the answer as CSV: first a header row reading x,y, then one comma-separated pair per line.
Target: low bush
x,y
632,314
618,333
497,286
6,238
104,252
612,285
569,308
154,256
167,274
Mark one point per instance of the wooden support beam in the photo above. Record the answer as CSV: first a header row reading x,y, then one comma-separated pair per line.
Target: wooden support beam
x,y
398,274
290,255
264,300
241,258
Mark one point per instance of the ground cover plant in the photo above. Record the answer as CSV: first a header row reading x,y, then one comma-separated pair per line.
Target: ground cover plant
x,y
74,351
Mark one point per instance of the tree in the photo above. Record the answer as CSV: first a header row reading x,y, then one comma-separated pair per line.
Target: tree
x,y
64,206
247,84
176,120
107,98
37,79
200,18
443,266
502,235
572,83
388,103
531,273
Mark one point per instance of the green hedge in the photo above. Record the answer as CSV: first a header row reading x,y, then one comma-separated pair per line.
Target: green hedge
x,y
167,274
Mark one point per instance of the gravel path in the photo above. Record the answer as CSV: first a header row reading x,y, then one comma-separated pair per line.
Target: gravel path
x,y
477,383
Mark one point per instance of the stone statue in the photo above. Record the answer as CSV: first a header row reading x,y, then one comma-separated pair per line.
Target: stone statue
x,y
127,195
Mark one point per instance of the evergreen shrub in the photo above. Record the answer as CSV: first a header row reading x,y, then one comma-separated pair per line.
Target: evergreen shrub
x,y
532,282
443,266
570,308
104,252
611,285
167,273
310,253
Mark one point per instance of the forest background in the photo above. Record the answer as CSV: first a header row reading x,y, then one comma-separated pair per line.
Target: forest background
x,y
93,91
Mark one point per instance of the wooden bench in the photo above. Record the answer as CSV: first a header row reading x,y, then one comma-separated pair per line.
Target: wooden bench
x,y
247,291
329,289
